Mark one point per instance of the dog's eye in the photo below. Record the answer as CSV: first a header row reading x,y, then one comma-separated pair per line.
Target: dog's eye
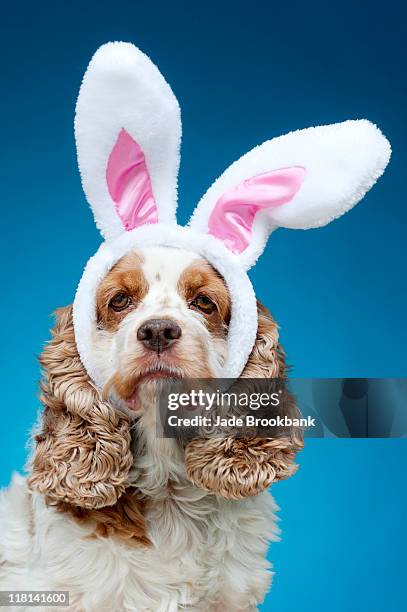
x,y
119,302
204,304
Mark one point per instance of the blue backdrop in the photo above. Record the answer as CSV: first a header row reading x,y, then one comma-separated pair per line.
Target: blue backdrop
x,y
243,72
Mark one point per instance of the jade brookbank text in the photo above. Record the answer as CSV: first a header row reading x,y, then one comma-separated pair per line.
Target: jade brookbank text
x,y
248,420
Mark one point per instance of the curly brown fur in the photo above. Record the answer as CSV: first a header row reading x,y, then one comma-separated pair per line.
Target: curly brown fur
x,y
267,359
236,468
124,520
82,454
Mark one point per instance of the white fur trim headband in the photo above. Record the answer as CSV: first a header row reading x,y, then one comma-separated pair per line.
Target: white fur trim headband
x,y
128,133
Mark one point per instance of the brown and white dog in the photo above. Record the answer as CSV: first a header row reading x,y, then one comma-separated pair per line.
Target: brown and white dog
x,y
164,528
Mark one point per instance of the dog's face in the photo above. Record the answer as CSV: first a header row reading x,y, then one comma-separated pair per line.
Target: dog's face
x,y
161,312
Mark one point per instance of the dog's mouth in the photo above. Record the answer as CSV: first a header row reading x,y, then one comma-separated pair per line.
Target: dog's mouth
x,y
159,371
151,377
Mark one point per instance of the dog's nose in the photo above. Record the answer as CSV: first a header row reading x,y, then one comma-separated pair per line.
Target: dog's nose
x,y
158,334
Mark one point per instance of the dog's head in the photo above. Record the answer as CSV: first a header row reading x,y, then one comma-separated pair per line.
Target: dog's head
x,y
161,312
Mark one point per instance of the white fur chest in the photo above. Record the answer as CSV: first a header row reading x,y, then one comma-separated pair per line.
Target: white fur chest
x,y
206,554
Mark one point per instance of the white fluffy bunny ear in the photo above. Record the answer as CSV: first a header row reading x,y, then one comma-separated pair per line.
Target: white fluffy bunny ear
x,y
301,180
128,133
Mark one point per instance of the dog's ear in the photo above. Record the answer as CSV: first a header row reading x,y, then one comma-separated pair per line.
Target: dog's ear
x,y
236,468
82,454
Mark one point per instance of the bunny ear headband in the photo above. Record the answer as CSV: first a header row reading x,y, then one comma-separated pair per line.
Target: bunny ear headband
x,y
128,133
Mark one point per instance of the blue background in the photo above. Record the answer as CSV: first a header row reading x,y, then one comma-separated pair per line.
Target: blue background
x,y
243,72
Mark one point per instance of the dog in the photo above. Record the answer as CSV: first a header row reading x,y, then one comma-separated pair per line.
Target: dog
x,y
164,544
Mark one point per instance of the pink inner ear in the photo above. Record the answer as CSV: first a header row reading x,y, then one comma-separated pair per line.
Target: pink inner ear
x,y
233,215
129,183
